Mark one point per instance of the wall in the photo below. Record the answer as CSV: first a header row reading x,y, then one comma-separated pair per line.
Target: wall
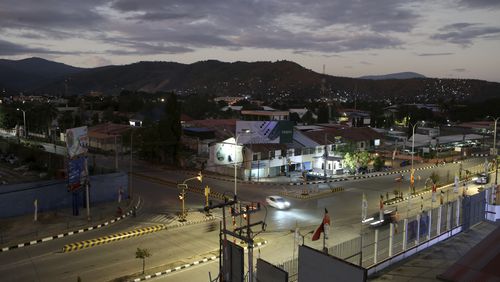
x,y
17,199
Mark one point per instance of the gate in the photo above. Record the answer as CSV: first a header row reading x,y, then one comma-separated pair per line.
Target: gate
x,y
473,209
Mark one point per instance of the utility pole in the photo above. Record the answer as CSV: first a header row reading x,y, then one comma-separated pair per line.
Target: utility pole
x,y
237,233
325,156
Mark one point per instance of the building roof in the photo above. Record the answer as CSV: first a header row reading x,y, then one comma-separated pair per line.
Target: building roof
x,y
107,129
351,133
223,128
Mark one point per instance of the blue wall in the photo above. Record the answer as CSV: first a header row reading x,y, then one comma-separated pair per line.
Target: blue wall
x,y
17,199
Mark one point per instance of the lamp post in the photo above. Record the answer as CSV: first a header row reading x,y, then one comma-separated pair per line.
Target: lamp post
x,y
235,163
24,121
182,195
495,152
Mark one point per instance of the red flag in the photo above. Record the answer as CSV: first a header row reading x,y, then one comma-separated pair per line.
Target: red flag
x,y
321,228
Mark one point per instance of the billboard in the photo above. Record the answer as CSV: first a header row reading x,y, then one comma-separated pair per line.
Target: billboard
x,y
77,141
234,264
318,266
227,152
77,173
263,132
267,272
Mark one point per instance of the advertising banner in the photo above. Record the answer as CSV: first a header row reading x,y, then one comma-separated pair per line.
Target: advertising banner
x,y
227,152
264,132
77,141
77,173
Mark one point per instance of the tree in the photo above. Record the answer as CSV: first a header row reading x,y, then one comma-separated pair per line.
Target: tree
x,y
434,177
142,254
378,163
9,117
354,160
349,162
170,130
308,118
294,117
323,114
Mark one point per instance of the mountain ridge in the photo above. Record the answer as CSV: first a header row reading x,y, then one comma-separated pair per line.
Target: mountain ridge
x,y
264,80
397,75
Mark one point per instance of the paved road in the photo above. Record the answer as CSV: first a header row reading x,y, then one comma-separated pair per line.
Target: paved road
x,y
44,261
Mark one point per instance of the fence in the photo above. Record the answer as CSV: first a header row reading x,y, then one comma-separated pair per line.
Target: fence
x,y
376,245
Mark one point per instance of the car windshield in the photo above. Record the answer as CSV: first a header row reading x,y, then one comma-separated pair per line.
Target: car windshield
x,y
280,200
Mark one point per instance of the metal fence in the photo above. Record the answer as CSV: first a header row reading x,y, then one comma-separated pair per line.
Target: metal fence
x,y
375,245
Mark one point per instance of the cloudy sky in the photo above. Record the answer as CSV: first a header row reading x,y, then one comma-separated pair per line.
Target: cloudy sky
x,y
445,38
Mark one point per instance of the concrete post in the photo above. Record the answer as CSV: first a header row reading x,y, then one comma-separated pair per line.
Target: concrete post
x,y
448,217
430,225
405,228
418,230
391,236
375,246
440,210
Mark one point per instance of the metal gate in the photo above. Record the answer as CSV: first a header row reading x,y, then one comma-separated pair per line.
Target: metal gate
x,y
473,209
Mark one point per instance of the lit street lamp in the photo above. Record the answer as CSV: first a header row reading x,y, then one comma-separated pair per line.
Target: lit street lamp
x,y
24,121
182,195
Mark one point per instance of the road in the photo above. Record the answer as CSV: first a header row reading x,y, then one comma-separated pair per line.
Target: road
x,y
174,247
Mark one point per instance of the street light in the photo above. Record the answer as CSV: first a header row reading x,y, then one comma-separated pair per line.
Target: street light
x,y
130,166
412,153
495,151
244,131
24,120
182,195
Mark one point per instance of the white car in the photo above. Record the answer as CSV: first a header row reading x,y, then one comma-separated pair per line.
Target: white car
x,y
481,179
277,202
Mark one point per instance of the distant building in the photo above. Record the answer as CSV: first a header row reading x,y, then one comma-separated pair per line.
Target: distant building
x,y
354,118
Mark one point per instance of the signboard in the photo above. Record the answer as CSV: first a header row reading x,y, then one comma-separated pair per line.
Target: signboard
x,y
77,173
77,141
227,153
267,272
264,132
317,266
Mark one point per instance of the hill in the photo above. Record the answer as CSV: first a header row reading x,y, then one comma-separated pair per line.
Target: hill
x,y
268,81
29,74
399,75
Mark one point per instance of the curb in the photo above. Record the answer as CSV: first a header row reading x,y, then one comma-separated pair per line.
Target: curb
x,y
184,266
34,242
126,235
309,196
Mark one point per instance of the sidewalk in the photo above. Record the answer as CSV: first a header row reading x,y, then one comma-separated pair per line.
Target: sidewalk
x,y
21,229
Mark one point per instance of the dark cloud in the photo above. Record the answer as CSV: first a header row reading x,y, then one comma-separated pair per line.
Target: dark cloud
x,y
270,24
153,27
50,14
11,49
480,3
465,33
434,54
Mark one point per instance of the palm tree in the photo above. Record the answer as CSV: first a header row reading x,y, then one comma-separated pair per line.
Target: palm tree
x,y
142,254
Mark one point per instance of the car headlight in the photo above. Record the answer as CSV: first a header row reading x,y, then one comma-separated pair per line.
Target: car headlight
x,y
281,205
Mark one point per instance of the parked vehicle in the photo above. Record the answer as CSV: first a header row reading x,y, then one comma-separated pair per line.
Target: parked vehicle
x,y
277,202
404,163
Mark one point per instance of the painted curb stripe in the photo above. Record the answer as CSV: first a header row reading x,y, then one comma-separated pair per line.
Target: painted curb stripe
x,y
178,268
5,249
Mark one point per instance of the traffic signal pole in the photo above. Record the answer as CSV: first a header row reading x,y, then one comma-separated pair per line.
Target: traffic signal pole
x,y
237,233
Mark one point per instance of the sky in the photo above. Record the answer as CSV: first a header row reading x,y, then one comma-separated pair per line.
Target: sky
x,y
444,39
